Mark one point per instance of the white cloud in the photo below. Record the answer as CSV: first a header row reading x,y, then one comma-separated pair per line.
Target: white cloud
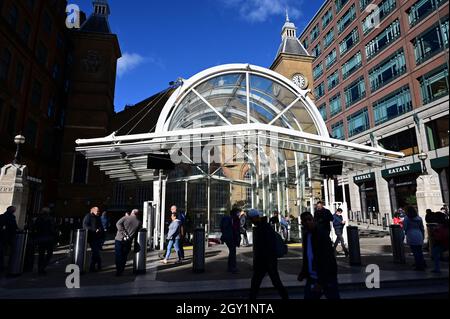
x,y
128,62
261,10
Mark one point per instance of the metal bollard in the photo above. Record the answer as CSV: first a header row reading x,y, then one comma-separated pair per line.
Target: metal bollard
x,y
140,257
79,250
353,245
17,258
198,258
398,248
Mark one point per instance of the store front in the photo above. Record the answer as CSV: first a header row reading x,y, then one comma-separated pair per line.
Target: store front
x,y
402,185
367,193
440,165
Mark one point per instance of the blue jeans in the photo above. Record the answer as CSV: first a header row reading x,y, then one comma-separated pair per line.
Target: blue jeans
x,y
330,290
418,256
175,244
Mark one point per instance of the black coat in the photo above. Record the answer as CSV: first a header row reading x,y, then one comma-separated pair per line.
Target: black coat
x,y
8,227
323,218
324,260
264,245
93,223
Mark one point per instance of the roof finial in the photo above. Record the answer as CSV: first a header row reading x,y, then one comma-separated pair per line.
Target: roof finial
x,y
287,15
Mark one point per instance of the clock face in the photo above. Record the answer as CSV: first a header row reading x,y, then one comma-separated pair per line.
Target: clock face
x,y
300,80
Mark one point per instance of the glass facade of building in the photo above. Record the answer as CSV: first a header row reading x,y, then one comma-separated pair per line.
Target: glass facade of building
x,y
395,104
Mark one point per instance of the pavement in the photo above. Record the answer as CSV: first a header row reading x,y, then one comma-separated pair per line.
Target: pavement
x,y
176,281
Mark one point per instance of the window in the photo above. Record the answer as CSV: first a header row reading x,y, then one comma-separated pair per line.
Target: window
x,y
315,33
328,39
41,54
383,39
13,16
5,63
31,132
333,80
340,4
337,130
30,4
330,59
327,18
335,105
363,4
395,104
19,76
381,12
56,70
36,94
349,41
317,71
405,142
25,34
352,64
434,85
323,111
316,50
51,108
431,42
319,91
388,70
358,122
47,22
305,43
421,9
437,133
80,169
346,19
355,92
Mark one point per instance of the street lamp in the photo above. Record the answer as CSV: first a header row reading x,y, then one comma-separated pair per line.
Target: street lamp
x,y
19,140
423,156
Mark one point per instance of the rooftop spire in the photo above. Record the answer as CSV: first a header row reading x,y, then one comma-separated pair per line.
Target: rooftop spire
x,y
289,42
287,15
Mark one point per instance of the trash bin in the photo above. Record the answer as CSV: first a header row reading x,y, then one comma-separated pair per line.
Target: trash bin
x,y
17,258
398,248
198,258
353,245
140,256
79,250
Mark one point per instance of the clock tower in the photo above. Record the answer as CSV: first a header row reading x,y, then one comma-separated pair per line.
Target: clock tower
x,y
292,60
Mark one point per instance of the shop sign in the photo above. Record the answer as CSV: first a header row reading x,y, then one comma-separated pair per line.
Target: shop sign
x,y
402,170
364,178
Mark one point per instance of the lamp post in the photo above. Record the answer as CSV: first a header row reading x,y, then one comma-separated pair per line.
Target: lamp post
x,y
423,156
19,140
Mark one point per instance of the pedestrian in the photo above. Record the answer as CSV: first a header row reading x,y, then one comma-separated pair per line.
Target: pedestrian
x,y
44,233
92,223
338,225
284,226
437,224
397,220
181,216
265,256
275,221
414,231
319,261
127,229
229,226
8,228
323,217
173,236
243,228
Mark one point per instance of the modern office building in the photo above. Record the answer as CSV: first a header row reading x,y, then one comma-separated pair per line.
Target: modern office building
x,y
381,78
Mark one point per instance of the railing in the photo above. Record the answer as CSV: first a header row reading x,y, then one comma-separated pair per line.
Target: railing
x,y
370,218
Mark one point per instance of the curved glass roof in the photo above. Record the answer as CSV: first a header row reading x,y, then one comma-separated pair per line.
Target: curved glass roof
x,y
241,97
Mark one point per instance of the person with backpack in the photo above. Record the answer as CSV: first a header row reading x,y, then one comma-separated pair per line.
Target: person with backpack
x,y
243,228
338,225
229,226
319,261
267,248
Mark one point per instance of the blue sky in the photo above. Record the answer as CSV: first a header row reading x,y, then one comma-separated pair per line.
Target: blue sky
x,y
164,40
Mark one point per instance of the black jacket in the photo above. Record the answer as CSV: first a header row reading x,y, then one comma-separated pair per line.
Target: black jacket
x,y
44,229
264,245
324,260
8,227
323,218
93,223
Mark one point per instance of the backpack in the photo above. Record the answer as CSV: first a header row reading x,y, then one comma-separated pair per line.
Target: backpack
x,y
281,248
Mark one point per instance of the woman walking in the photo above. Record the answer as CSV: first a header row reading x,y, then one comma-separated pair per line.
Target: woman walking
x,y
414,231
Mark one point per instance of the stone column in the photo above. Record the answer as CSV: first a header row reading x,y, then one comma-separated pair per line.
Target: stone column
x,y
428,194
14,190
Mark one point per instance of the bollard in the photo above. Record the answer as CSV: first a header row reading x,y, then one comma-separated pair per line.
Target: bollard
x,y
140,256
398,249
198,258
17,258
353,245
79,249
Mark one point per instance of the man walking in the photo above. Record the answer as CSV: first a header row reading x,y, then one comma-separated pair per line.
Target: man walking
x,y
319,262
323,217
229,226
243,228
173,236
265,258
338,225
92,223
8,228
45,234
127,229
